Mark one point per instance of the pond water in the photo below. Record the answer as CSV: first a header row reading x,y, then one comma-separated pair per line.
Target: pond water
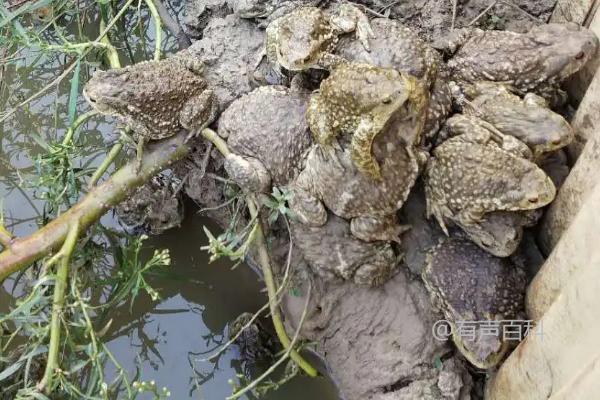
x,y
165,339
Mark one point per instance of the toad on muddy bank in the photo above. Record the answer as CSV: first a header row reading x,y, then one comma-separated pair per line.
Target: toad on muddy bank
x,y
368,120
481,171
360,100
537,61
471,286
306,37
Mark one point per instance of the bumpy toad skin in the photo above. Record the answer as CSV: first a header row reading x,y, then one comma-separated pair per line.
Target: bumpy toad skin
x,y
396,46
266,11
336,183
306,37
473,174
155,207
469,285
536,61
332,251
267,133
156,99
529,119
500,232
360,100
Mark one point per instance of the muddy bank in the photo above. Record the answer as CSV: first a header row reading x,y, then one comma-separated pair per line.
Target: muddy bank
x,y
377,343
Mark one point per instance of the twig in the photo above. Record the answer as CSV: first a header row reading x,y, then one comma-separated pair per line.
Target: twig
x,y
110,157
88,210
60,285
484,12
265,264
173,26
266,306
158,29
516,7
284,357
454,9
6,238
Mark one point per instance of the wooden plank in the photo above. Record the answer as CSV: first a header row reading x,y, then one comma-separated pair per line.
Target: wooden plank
x,y
577,11
550,362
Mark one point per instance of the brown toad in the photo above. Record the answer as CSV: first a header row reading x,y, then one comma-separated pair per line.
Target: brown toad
x,y
267,133
396,46
337,183
528,119
481,171
536,61
473,287
360,100
156,99
306,37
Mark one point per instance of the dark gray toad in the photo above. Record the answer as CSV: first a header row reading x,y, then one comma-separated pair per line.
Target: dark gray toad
x,y
156,99
155,207
481,171
469,285
267,133
332,251
536,61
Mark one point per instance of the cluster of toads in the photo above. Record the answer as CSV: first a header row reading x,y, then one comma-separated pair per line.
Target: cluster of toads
x,y
470,117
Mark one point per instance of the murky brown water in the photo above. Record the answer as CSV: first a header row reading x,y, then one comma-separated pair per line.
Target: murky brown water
x,y
164,339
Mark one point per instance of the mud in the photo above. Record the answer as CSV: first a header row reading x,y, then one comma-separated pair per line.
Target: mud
x,y
378,343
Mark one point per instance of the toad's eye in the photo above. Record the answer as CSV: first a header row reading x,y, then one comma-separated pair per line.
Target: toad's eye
x,y
580,55
533,200
387,100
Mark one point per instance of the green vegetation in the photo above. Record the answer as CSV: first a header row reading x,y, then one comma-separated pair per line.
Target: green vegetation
x,y
52,339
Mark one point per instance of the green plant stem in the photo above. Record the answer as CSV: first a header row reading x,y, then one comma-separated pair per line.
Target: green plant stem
x,y
76,124
111,53
288,353
265,264
110,157
60,285
24,251
6,237
158,27
70,68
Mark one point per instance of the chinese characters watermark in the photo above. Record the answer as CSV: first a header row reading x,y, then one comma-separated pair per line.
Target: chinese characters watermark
x,y
508,329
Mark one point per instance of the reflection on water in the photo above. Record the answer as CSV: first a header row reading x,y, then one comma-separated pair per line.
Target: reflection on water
x,y
169,338
166,339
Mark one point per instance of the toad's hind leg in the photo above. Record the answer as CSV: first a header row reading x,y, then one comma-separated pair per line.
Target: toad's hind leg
x,y
199,112
361,150
370,229
249,173
350,18
139,153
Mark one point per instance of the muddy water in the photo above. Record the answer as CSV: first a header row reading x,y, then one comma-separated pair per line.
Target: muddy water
x,y
167,339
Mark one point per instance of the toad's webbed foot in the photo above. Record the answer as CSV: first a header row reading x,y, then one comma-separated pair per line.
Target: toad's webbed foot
x,y
249,173
370,229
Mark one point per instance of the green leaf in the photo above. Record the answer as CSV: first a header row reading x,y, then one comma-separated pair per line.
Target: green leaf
x,y
8,372
438,363
74,93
